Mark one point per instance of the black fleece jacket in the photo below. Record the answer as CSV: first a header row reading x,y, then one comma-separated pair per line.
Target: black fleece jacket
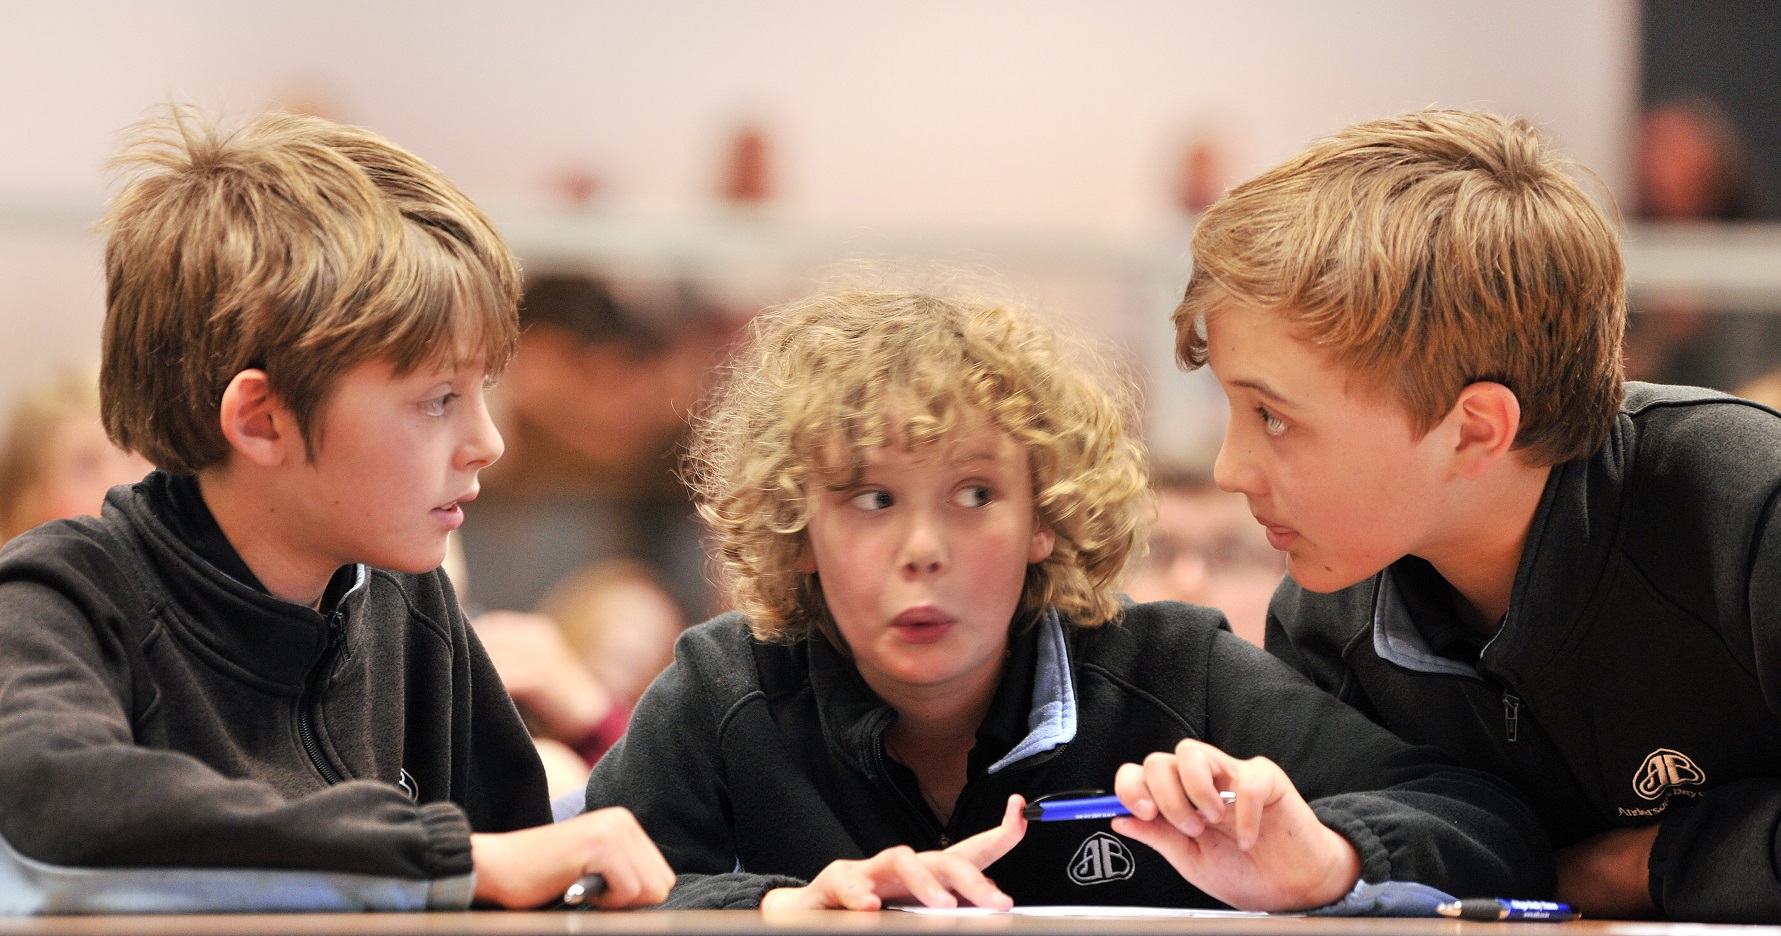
x,y
157,713
1637,677
754,765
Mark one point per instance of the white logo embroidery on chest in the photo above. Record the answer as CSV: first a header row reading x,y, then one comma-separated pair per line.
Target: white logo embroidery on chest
x,y
1665,770
1102,858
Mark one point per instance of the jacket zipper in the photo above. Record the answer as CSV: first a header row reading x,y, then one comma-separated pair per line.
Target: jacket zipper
x,y
311,694
1511,714
878,754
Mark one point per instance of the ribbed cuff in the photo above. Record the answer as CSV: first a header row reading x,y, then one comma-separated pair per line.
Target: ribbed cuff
x,y
1668,830
1375,858
448,840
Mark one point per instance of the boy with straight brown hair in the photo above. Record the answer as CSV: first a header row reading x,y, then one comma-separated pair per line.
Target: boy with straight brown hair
x,y
1495,546
248,686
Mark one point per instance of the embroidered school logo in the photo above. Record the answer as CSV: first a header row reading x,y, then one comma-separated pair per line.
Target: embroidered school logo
x,y
1665,771
1102,858
406,781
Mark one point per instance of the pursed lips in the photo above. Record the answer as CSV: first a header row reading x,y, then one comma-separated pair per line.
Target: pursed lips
x,y
922,624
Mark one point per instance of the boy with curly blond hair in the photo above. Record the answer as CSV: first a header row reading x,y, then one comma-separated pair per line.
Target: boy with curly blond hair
x,y
247,686
924,505
1495,546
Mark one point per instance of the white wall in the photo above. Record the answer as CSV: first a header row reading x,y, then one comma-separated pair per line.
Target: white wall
x,y
1036,116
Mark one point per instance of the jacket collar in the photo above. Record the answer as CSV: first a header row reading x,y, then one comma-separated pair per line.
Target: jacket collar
x,y
242,630
854,718
1569,545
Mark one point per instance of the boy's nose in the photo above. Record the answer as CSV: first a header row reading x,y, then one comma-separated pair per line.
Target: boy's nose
x,y
924,549
1231,470
483,445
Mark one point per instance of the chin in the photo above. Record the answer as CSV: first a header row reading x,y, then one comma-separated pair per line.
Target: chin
x,y
412,563
1314,578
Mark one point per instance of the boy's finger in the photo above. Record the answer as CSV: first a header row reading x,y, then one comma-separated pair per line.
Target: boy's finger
x,y
857,893
1260,785
622,885
658,876
1129,786
1181,851
1198,767
1162,776
988,846
964,879
923,885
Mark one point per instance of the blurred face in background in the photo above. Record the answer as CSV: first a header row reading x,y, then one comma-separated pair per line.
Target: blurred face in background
x,y
67,473
1206,549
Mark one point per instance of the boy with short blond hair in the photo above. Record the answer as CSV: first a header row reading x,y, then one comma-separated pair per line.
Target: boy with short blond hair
x,y
248,686
925,504
1494,546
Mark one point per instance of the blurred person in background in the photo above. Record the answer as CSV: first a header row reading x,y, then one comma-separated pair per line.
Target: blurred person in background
x,y
1206,549
55,460
1692,164
592,410
1694,168
576,667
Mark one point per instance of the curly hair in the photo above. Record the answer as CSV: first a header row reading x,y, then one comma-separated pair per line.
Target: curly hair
x,y
826,379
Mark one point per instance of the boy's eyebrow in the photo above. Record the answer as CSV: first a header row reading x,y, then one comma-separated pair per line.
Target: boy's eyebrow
x,y
1261,387
971,457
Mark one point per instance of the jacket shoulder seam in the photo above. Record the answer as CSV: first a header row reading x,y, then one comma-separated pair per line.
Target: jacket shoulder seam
x,y
438,630
1132,689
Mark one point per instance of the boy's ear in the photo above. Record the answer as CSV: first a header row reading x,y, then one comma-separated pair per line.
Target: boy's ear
x,y
1488,417
1043,542
255,421
806,559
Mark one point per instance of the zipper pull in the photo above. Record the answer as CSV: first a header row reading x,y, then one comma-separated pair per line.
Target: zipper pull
x,y
337,636
1511,714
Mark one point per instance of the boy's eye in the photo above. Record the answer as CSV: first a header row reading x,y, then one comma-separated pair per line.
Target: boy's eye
x,y
438,405
973,495
870,500
1271,424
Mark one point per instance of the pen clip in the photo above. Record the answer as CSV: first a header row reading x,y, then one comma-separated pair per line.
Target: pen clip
x,y
1067,794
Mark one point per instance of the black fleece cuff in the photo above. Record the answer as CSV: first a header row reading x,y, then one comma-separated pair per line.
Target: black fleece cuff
x,y
1375,859
1668,830
448,840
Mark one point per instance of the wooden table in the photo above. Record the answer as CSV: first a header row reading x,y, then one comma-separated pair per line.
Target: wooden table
x,y
806,923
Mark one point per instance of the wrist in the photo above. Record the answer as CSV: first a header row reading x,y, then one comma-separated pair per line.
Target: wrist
x,y
1342,871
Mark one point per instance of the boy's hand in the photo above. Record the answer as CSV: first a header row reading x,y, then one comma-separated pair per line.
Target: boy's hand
x,y
533,867
543,673
899,873
1608,876
1266,851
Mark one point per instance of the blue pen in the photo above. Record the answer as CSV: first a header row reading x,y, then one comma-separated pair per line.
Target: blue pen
x,y
1490,909
1094,807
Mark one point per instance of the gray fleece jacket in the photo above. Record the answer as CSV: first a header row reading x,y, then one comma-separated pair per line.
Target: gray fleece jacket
x,y
176,740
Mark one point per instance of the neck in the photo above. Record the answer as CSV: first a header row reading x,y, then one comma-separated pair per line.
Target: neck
x,y
1481,558
259,534
936,729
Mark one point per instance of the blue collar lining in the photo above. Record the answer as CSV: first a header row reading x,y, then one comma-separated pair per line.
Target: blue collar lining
x,y
1396,639
1052,721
